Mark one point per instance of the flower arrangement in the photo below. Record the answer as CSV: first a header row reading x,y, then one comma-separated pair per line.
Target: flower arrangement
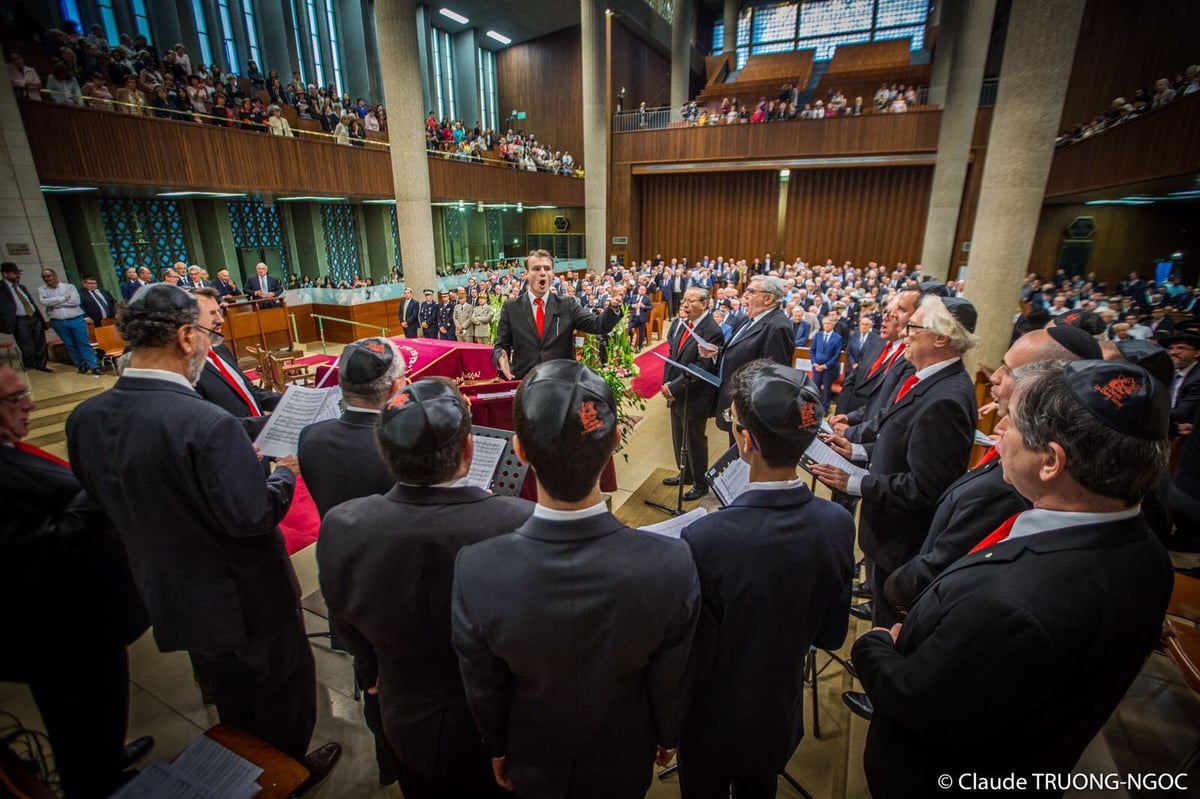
x,y
618,370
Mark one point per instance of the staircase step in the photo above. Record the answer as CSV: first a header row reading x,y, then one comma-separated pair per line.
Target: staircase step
x,y
72,399
45,417
53,436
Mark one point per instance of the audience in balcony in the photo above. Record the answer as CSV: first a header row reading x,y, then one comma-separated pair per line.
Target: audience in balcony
x,y
63,86
1141,103
130,100
278,123
24,80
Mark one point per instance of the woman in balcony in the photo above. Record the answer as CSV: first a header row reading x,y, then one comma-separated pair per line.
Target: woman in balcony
x,y
341,133
130,100
222,114
62,85
197,95
278,125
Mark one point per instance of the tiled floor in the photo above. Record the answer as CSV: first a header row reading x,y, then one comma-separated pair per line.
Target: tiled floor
x,y
1154,729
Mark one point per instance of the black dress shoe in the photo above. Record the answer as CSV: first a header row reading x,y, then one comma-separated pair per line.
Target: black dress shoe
x,y
43,368
320,763
386,778
862,591
694,493
81,369
862,610
674,481
859,703
848,665
135,750
96,372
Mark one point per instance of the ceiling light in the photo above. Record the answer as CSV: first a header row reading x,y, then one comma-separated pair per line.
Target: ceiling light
x,y
500,37
214,194
454,15
313,199
379,202
67,189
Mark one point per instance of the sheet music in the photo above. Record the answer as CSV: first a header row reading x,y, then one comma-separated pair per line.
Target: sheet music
x,y
496,394
804,364
732,481
299,407
205,770
707,377
983,439
488,452
673,527
820,452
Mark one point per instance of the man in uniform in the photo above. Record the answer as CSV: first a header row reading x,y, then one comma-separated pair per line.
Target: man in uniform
x,y
427,318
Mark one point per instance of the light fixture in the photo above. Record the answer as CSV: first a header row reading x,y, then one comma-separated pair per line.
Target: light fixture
x,y
67,189
785,173
379,202
499,37
520,208
313,199
212,194
479,206
454,15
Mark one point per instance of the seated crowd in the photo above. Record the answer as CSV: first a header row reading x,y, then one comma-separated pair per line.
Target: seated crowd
x,y
1140,103
893,99
518,149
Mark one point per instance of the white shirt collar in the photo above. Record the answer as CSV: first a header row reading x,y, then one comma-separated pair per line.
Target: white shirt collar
x,y
157,374
776,485
930,371
551,514
1039,520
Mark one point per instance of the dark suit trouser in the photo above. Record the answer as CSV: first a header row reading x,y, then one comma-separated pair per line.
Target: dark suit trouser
x,y
31,340
462,769
697,442
883,613
824,382
268,687
710,777
85,711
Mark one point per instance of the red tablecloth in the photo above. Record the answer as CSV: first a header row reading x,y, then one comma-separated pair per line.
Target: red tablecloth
x,y
431,357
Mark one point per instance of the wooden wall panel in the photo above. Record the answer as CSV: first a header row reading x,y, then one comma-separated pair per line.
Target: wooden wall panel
x,y
544,78
1124,46
1162,144
643,71
1128,238
693,215
858,215
459,180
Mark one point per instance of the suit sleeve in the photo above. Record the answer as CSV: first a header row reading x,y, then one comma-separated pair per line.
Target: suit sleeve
x,y
836,623
1188,402
779,345
485,677
503,338
939,448
596,324
670,670
231,477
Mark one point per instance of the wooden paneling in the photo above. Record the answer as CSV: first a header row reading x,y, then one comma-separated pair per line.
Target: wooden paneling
x,y
1127,237
857,214
460,180
1124,46
915,132
692,215
544,78
541,220
645,74
1161,144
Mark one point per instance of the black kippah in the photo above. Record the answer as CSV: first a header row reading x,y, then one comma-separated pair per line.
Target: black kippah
x,y
1076,341
787,402
365,360
1151,357
963,311
156,297
557,392
1122,396
424,415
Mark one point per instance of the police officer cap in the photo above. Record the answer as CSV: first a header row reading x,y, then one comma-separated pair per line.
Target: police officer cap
x,y
429,292
963,311
787,402
1122,396
1151,357
426,414
566,399
365,360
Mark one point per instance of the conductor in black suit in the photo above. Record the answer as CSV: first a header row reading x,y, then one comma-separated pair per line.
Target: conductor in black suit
x,y
768,333
97,303
387,565
775,568
540,326
261,286
341,462
679,388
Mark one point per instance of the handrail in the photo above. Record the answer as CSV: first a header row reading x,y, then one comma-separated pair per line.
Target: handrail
x,y
321,319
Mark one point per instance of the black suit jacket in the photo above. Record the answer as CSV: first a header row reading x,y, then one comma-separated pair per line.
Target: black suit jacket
x,y
923,446
411,314
1014,658
214,388
225,289
856,343
971,508
8,308
94,310
272,285
700,394
180,481
129,288
1188,403
340,460
63,570
387,566
771,337
516,332
574,641
775,571
857,389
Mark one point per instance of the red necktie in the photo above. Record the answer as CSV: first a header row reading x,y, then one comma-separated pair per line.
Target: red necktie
x,y
907,387
233,381
879,361
43,454
997,535
989,456
687,331
539,315
895,357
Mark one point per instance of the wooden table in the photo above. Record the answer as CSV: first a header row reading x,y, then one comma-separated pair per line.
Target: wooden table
x,y
281,774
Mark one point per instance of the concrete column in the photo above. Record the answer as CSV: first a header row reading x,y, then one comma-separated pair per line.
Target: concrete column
x,y
26,232
1038,51
424,65
595,131
353,45
681,54
466,77
957,128
732,10
949,15
396,24
164,18
276,46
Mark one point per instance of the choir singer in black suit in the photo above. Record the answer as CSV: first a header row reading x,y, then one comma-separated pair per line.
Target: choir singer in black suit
x,y
387,564
540,326
690,396
775,569
222,381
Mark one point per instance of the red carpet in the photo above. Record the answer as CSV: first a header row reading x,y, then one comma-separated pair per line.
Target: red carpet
x,y
302,522
650,375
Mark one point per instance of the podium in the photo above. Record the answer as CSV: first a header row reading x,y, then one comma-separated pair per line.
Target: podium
x,y
257,323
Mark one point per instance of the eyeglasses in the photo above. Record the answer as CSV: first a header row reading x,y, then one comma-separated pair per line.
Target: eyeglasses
x,y
749,292
18,399
727,415
909,327
213,336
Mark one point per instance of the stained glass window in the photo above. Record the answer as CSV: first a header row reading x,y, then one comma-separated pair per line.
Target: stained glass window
x,y
255,224
822,25
341,241
145,233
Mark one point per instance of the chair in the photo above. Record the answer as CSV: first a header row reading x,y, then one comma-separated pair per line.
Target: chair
x,y
284,372
263,368
109,345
